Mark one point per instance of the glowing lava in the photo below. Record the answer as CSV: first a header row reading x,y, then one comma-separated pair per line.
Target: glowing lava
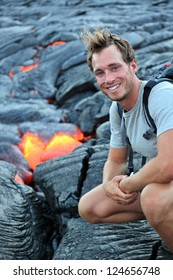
x,y
36,151
61,144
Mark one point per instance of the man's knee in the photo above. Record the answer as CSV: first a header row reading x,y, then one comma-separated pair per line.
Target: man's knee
x,y
152,204
86,210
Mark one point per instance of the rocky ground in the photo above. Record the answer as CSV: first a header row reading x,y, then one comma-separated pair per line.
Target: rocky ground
x,y
40,220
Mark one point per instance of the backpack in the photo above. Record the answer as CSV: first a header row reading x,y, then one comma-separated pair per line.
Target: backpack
x,y
164,73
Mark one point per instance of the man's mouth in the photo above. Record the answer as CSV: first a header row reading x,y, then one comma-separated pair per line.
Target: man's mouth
x,y
113,88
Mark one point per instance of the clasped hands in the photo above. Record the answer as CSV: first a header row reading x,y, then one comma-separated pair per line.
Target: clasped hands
x,y
115,190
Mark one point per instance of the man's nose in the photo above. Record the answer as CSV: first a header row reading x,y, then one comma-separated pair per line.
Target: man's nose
x,y
109,77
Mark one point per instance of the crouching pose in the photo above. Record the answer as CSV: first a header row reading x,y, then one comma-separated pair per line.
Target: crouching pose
x,y
148,194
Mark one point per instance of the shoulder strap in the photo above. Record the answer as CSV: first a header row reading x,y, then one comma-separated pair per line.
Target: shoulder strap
x,y
149,119
147,90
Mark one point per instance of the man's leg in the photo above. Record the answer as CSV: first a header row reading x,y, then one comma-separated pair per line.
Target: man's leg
x,y
96,207
157,205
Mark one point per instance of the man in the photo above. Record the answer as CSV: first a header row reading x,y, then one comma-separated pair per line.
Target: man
x,y
147,194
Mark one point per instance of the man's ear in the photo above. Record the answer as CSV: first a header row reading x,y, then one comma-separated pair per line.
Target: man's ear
x,y
134,65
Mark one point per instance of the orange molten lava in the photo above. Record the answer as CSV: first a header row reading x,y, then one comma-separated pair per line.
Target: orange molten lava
x,y
37,151
19,179
29,67
57,43
61,144
32,148
35,65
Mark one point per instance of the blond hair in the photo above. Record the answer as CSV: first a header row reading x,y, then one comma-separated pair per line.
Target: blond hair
x,y
103,38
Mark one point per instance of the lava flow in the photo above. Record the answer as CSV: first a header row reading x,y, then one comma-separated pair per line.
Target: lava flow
x,y
26,68
37,151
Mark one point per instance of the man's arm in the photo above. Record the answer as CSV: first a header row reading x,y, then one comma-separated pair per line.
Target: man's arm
x,y
115,164
157,170
114,171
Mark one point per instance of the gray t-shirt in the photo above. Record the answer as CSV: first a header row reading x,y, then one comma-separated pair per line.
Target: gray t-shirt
x,y
160,106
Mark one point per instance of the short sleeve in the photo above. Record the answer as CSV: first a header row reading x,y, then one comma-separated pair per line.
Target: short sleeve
x,y
161,106
116,140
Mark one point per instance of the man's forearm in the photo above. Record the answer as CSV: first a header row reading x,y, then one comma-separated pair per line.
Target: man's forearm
x,y
154,171
112,169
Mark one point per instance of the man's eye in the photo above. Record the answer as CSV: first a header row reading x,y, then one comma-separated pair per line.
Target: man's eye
x,y
99,74
115,68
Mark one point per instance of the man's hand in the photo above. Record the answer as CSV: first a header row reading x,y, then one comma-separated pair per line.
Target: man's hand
x,y
125,185
112,189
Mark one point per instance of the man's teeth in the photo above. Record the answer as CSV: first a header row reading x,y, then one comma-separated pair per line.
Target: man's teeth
x,y
113,88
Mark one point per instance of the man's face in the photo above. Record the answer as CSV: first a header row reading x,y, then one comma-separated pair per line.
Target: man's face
x,y
114,77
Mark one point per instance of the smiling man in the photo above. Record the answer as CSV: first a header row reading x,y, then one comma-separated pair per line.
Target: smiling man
x,y
115,78
148,194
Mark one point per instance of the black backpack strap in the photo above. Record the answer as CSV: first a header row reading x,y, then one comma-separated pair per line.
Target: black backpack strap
x,y
130,160
149,119
147,90
143,162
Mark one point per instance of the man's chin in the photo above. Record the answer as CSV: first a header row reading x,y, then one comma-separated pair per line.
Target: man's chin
x,y
116,98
